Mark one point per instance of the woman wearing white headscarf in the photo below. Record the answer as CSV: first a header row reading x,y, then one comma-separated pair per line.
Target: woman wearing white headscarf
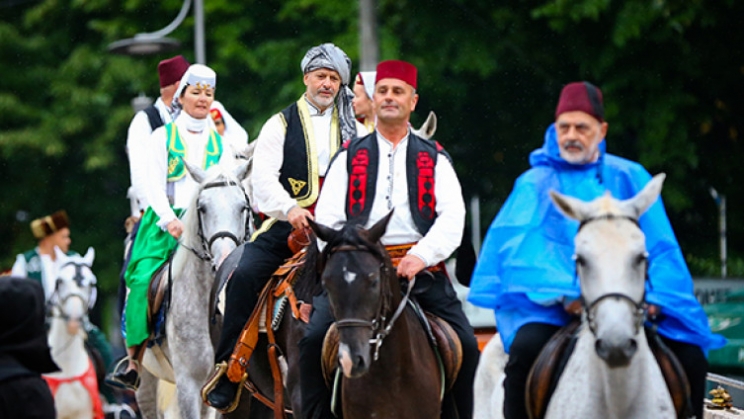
x,y
190,137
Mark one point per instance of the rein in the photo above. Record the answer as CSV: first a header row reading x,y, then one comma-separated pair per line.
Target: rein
x,y
639,307
378,325
206,244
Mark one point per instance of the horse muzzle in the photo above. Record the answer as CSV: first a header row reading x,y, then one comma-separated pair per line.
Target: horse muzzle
x,y
353,363
616,354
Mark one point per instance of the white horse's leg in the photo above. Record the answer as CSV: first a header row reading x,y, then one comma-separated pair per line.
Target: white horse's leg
x,y
488,387
147,395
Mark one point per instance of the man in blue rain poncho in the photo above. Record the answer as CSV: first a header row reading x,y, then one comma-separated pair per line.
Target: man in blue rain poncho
x,y
526,272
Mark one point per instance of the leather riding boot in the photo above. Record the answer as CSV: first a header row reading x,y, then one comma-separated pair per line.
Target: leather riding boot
x,y
222,396
126,377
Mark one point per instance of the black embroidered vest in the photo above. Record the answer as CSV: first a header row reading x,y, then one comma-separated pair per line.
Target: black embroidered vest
x,y
299,172
362,165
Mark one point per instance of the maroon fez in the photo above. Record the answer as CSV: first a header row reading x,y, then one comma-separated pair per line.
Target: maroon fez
x,y
395,69
172,69
581,96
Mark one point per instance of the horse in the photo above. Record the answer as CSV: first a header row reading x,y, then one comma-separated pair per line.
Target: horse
x,y
384,352
75,387
612,372
217,220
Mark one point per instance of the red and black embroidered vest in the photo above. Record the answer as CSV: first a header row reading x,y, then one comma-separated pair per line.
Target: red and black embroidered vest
x,y
299,172
362,165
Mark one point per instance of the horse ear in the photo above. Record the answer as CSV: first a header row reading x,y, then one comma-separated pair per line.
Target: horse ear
x,y
324,233
569,206
377,230
59,254
646,197
428,128
196,172
241,171
90,255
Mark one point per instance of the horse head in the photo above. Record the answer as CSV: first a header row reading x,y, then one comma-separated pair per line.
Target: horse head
x,y
74,290
362,287
219,219
611,264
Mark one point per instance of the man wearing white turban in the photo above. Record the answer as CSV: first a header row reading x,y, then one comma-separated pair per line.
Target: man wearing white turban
x,y
293,152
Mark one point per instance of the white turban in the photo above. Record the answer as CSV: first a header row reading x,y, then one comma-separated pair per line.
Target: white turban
x,y
197,75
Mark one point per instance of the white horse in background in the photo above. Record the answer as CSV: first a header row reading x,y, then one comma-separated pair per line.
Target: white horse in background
x,y
75,388
612,373
215,222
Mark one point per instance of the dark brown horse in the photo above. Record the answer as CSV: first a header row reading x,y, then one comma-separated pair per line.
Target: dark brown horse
x,y
389,368
287,335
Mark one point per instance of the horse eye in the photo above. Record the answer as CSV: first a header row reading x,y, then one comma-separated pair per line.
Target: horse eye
x,y
641,258
580,261
201,209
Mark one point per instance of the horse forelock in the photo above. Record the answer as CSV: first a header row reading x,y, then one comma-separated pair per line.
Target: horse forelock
x,y
190,219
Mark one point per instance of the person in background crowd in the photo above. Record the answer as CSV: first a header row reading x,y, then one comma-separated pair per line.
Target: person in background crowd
x,y
24,351
40,265
364,110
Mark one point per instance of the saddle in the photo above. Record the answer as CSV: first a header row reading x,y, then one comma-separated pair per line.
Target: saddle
x,y
276,295
549,365
443,339
157,293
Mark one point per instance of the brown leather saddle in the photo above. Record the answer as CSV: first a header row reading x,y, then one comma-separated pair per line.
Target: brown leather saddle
x,y
446,344
157,293
549,365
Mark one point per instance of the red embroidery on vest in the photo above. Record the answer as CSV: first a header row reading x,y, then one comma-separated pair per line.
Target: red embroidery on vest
x,y
358,182
426,199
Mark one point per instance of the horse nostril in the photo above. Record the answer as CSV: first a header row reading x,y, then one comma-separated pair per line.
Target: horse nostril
x,y
360,362
630,348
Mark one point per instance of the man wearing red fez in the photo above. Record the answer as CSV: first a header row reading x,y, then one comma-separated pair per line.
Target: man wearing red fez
x,y
526,272
414,177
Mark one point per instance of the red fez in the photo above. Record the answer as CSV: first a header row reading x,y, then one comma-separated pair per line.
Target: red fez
x,y
172,69
581,96
394,69
215,113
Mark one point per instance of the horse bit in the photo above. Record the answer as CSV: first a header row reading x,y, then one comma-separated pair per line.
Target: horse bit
x,y
378,326
206,254
639,307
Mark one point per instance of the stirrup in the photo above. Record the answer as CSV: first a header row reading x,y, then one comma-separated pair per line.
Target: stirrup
x,y
220,370
118,377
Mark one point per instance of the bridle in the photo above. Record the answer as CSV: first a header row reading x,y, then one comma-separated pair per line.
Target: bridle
x,y
638,307
379,325
88,300
205,253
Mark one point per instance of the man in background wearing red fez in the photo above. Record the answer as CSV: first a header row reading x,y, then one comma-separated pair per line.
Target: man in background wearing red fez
x,y
526,272
433,232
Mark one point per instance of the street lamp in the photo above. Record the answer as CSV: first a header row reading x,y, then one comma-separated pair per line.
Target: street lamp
x,y
156,42
721,203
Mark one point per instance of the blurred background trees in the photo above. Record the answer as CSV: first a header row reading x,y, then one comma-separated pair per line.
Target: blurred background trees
x,y
672,73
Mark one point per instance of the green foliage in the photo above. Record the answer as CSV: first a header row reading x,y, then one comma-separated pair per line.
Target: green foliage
x,y
671,73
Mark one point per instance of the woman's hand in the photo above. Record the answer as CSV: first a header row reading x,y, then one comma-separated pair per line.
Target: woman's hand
x,y
175,228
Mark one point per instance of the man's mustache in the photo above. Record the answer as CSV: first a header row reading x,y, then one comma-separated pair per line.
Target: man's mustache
x,y
573,143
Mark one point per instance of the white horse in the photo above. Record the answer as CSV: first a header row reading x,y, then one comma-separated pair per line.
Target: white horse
x,y
75,387
612,373
215,223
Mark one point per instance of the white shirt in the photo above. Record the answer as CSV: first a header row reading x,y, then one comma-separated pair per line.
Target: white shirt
x,y
391,191
137,136
156,153
271,197
48,271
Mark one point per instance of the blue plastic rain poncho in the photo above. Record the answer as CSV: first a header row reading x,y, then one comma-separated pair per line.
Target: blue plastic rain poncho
x,y
526,267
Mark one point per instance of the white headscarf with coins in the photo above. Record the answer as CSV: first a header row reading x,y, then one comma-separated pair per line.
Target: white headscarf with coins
x,y
334,58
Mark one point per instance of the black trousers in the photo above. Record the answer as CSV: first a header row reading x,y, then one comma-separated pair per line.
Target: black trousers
x,y
260,259
436,296
532,337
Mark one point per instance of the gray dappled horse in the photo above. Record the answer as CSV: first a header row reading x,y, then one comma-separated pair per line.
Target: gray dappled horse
x,y
612,372
216,221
